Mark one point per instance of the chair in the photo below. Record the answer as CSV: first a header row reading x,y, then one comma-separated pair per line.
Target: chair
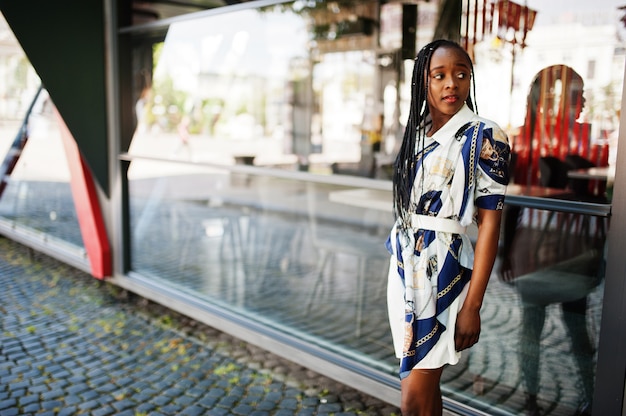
x,y
581,186
333,245
512,166
553,172
582,191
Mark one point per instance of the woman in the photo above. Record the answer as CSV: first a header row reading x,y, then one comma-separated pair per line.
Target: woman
x,y
451,170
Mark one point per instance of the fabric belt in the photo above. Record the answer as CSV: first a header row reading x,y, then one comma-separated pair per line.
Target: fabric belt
x,y
426,222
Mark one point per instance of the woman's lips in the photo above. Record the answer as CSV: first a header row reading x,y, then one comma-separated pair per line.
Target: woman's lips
x,y
451,98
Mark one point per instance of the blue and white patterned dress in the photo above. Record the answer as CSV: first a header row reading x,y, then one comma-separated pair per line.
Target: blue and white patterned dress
x,y
464,166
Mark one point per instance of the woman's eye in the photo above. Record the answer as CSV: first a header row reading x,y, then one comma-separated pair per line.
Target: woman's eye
x,y
462,75
438,76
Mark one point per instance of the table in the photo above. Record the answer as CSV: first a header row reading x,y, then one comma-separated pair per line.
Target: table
x,y
534,191
600,175
606,173
383,199
364,198
529,196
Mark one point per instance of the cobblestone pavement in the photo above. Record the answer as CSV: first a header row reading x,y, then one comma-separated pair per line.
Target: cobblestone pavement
x,y
73,345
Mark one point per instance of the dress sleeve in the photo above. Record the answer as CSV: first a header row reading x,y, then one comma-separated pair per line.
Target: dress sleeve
x,y
493,169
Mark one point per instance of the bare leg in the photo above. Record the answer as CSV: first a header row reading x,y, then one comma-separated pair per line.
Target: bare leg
x,y
421,394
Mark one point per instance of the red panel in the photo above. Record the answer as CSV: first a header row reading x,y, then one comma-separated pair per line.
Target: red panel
x,y
87,206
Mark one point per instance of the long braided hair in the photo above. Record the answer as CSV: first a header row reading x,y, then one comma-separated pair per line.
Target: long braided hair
x,y
414,134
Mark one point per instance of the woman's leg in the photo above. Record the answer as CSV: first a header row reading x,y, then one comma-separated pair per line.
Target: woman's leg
x,y
575,318
533,318
421,394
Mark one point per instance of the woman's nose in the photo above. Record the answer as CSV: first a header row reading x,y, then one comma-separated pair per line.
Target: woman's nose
x,y
451,82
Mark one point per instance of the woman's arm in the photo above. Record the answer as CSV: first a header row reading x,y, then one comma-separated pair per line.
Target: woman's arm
x,y
467,329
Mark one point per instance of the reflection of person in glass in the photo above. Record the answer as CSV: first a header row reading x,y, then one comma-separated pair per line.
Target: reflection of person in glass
x,y
451,169
183,135
567,279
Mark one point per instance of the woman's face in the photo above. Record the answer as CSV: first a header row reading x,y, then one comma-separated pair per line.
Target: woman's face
x,y
449,79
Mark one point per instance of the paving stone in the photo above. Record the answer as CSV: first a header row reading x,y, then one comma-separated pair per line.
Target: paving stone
x,y
145,407
39,388
91,404
208,401
193,411
17,393
9,378
29,409
218,411
289,403
123,404
51,404
145,395
161,400
170,409
284,412
77,388
71,399
26,400
68,411
10,412
6,404
184,400
103,411
89,395
53,394
259,413
266,405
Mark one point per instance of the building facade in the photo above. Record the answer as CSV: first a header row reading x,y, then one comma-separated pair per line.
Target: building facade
x,y
232,161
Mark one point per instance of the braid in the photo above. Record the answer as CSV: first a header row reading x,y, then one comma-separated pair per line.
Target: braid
x,y
404,168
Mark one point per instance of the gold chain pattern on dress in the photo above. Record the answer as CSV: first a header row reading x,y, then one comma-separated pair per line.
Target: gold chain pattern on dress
x,y
472,159
427,337
422,341
449,287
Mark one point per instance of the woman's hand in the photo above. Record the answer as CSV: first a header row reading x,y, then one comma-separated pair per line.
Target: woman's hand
x,y
467,329
506,270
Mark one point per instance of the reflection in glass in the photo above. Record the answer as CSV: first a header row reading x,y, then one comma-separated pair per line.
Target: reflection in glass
x,y
226,88
308,259
254,87
554,143
301,257
554,262
38,195
272,250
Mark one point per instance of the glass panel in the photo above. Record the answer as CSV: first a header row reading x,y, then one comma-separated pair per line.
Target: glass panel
x,y
226,87
254,87
309,259
18,86
541,316
37,194
546,78
277,251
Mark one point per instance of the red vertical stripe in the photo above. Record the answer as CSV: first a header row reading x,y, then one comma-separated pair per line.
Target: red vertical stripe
x,y
87,205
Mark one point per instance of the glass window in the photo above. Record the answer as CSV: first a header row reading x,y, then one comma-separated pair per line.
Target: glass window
x,y
285,253
254,87
35,196
228,86
233,99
